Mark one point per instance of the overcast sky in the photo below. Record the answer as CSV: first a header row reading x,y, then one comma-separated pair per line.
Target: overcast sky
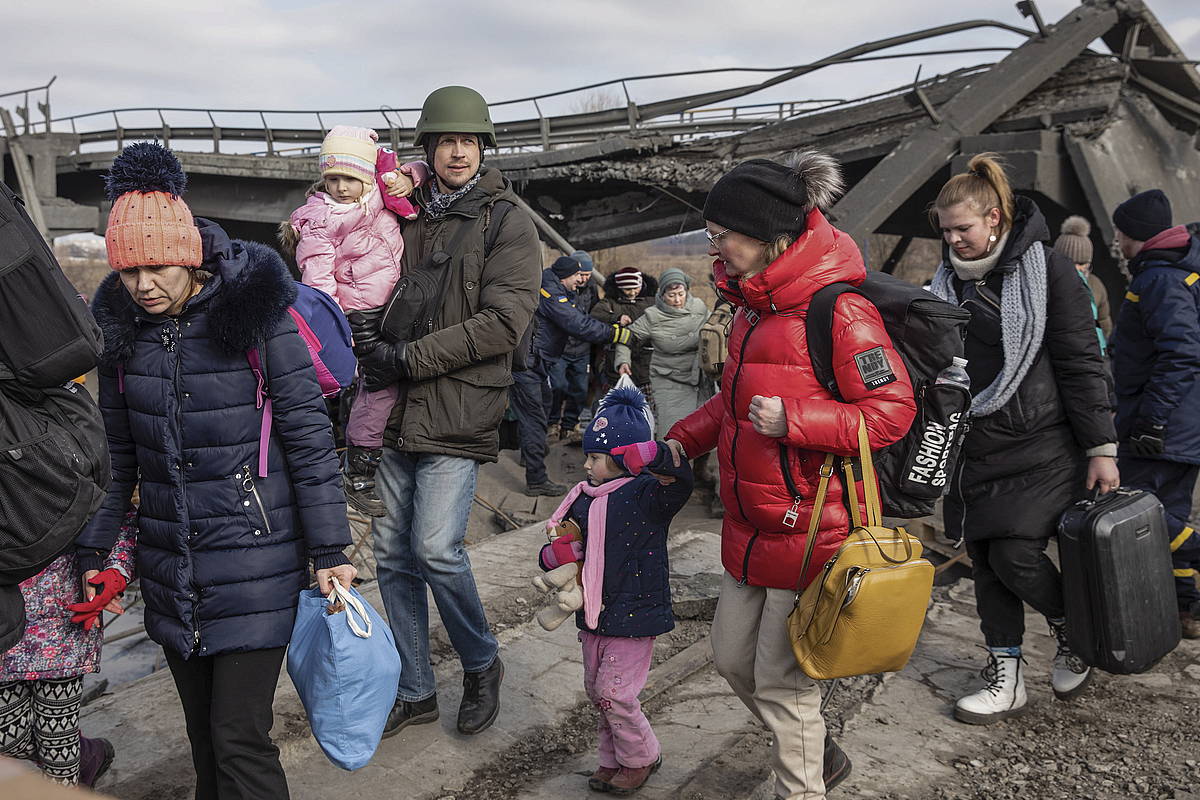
x,y
310,54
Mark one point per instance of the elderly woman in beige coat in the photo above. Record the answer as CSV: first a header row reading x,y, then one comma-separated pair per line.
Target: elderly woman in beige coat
x,y
672,327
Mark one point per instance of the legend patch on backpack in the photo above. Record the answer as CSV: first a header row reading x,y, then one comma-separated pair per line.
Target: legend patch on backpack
x,y
873,368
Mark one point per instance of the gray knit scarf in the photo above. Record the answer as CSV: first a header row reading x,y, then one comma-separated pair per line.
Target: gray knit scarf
x,y
1022,323
440,203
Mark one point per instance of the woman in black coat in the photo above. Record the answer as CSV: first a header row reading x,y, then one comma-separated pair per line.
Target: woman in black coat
x,y
222,550
1041,424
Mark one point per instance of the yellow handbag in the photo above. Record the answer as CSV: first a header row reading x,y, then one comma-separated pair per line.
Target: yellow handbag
x,y
863,613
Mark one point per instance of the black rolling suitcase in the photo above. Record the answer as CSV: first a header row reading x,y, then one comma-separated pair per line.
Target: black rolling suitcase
x,y
1118,585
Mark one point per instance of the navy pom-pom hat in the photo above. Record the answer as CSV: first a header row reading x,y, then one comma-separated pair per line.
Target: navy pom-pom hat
x,y
623,418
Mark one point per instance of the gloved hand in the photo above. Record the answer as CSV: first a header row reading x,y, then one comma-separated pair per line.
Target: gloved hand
x,y
620,335
383,365
109,584
365,327
1147,440
635,457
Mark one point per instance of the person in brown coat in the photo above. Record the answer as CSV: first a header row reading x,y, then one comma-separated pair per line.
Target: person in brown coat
x,y
453,387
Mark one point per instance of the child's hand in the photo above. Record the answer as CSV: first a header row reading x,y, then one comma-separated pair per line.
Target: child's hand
x,y
635,457
399,184
111,584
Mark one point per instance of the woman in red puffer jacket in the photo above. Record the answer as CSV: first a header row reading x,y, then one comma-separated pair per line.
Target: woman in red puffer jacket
x,y
773,424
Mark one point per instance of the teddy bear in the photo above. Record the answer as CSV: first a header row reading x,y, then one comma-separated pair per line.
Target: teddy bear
x,y
564,558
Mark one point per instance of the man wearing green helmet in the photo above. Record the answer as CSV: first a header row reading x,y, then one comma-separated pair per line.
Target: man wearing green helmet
x,y
454,386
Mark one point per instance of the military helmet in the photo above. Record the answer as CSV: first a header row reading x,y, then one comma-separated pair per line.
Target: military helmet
x,y
456,109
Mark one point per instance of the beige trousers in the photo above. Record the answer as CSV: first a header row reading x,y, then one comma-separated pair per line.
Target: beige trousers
x,y
752,651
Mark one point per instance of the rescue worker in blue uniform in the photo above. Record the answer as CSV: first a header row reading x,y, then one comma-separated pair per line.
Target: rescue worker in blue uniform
x,y
1156,366
557,320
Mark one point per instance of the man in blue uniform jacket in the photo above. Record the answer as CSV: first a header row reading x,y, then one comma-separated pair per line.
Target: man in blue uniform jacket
x,y
557,320
1156,366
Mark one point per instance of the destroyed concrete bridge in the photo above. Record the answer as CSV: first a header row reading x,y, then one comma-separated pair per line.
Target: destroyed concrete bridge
x,y
1081,129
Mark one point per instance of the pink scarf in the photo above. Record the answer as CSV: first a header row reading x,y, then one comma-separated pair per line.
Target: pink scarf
x,y
593,555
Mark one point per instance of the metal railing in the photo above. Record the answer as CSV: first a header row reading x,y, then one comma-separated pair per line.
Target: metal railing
x,y
705,113
43,106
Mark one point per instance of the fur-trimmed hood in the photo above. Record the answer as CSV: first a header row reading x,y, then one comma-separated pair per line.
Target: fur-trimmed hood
x,y
246,297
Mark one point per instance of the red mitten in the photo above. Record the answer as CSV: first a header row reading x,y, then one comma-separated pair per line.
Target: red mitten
x,y
635,457
564,550
109,583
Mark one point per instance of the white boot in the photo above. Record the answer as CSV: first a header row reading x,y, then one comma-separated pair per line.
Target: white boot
x,y
1002,697
557,578
1070,675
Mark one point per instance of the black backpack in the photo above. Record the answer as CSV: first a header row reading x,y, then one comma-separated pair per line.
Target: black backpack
x,y
47,335
54,471
928,333
411,312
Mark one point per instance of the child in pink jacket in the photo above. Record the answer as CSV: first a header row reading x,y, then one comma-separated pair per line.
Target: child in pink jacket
x,y
349,246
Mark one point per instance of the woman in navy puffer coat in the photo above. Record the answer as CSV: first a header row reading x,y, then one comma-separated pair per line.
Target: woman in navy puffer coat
x,y
222,553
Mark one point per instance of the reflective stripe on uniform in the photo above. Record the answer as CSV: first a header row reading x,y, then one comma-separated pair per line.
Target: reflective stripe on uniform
x,y
1131,297
1190,279
544,292
1185,573
1178,541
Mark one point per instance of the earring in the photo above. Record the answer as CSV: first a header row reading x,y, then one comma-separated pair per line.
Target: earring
x,y
992,238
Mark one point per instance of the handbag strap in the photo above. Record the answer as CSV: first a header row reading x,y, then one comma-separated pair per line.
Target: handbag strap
x,y
870,498
352,603
814,521
871,495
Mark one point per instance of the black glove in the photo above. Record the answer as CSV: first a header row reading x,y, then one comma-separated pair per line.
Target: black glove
x,y
364,326
383,365
1147,440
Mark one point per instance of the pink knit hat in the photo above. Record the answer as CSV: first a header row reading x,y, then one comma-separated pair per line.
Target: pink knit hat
x,y
351,152
149,224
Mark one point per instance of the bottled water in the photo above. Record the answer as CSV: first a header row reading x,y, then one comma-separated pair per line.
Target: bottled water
x,y
955,374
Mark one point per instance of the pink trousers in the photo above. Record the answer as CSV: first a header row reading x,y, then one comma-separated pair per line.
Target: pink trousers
x,y
614,672
369,414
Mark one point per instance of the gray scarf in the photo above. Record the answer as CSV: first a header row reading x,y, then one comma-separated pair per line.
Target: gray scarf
x,y
1022,323
440,203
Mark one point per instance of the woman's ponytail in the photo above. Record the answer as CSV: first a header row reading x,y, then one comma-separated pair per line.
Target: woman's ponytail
x,y
984,185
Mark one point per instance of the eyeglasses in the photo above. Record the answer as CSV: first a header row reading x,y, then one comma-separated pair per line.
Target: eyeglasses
x,y
713,237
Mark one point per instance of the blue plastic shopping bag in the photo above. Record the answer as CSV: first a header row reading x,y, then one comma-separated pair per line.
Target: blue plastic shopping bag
x,y
344,664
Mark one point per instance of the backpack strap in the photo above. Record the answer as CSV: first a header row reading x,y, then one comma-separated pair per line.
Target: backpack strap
x,y
499,209
262,399
313,343
818,328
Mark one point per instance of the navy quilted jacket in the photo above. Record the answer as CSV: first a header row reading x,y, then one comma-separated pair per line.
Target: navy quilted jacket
x,y
222,553
636,600
1156,349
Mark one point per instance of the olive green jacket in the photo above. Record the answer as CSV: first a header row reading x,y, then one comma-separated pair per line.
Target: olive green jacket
x,y
461,372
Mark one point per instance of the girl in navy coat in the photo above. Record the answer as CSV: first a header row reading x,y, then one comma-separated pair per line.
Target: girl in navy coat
x,y
634,489
224,540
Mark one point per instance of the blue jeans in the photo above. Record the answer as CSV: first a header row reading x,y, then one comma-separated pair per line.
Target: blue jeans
x,y
419,544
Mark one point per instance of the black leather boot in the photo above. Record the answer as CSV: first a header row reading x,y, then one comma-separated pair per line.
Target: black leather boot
x,y
405,713
481,699
359,481
837,764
